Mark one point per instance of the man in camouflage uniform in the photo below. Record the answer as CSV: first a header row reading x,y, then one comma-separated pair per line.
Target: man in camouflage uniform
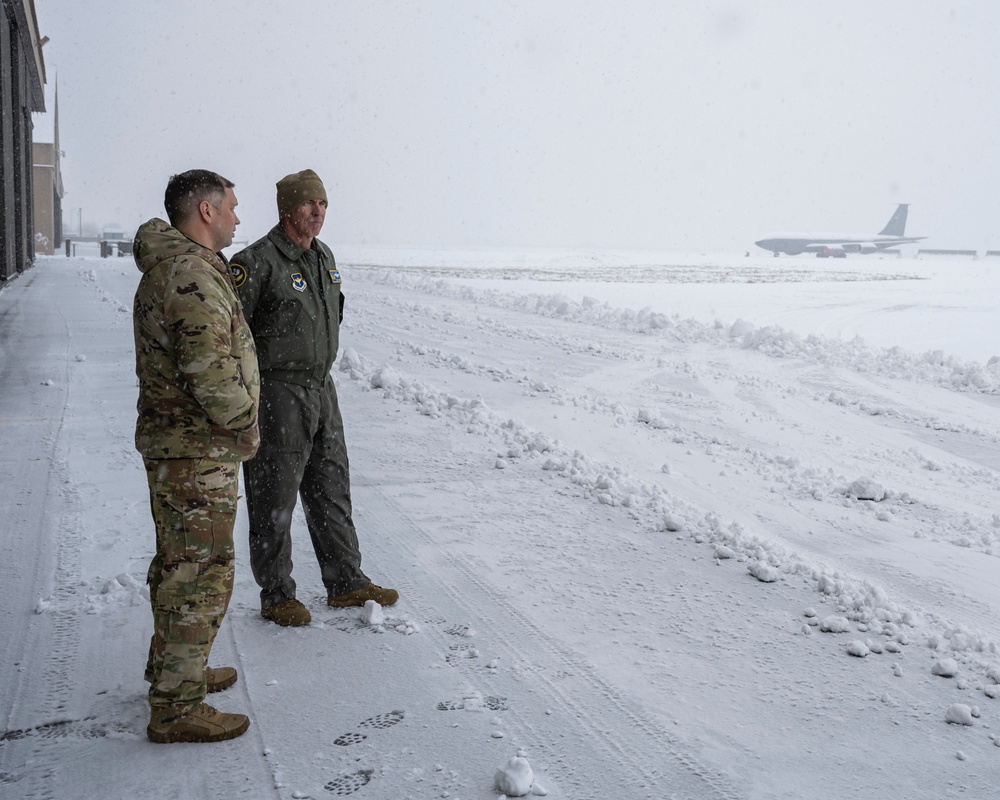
x,y
290,288
199,390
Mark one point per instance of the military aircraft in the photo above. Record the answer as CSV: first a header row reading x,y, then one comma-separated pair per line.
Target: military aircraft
x,y
838,245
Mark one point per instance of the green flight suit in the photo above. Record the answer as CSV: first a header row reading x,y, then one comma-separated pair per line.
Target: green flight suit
x,y
292,300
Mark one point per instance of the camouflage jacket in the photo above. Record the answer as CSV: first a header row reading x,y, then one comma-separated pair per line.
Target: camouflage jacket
x,y
293,303
199,387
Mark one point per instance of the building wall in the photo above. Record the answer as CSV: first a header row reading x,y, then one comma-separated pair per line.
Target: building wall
x,y
47,203
21,79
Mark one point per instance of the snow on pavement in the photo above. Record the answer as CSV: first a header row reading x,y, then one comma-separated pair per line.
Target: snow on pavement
x,y
645,554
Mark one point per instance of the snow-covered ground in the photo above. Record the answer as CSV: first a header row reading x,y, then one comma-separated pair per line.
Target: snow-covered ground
x,y
661,530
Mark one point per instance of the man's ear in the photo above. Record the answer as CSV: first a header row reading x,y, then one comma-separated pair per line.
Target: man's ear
x,y
205,211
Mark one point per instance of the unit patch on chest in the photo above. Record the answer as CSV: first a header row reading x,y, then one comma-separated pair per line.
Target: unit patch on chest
x,y
298,282
334,275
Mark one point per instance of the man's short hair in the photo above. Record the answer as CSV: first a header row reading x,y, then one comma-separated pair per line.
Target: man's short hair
x,y
186,191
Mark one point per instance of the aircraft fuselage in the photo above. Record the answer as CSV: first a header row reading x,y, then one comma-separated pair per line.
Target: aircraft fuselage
x,y
839,245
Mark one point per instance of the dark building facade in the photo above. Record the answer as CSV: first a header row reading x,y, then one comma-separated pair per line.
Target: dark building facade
x,y
22,77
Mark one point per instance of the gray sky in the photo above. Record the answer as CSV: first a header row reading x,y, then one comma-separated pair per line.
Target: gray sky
x,y
544,123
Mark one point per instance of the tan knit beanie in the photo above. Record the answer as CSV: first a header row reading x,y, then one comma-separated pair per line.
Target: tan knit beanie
x,y
297,188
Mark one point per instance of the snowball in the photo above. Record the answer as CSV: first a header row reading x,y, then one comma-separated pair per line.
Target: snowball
x,y
946,668
721,551
514,778
958,714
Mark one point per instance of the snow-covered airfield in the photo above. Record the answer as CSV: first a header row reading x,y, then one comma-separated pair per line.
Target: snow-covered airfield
x,y
663,528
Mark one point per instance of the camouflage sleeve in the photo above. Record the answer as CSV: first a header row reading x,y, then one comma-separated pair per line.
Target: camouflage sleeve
x,y
199,311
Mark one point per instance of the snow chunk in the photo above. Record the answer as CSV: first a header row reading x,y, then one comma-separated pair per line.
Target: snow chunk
x,y
385,378
721,551
350,360
372,613
835,624
763,572
946,668
858,649
959,714
671,524
866,489
514,779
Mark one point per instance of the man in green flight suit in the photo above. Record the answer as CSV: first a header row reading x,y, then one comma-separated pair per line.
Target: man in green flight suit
x,y
290,287
198,395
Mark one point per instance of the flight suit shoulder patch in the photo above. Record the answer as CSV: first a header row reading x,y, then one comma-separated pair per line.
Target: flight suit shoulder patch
x,y
239,275
335,275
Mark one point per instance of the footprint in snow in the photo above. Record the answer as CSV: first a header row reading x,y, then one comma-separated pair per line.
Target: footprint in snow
x,y
475,702
378,722
460,653
87,728
349,784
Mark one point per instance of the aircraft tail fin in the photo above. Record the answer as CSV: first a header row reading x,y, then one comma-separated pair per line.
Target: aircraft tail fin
x,y
897,223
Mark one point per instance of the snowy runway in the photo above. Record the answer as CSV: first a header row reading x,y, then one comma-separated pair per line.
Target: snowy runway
x,y
618,533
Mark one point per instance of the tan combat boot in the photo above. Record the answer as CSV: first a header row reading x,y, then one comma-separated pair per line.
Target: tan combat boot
x,y
219,678
203,724
290,613
384,597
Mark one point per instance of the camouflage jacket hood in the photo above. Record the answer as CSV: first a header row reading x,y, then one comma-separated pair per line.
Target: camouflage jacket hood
x,y
199,385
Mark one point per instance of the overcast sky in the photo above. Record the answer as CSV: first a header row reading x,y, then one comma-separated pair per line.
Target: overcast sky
x,y
544,123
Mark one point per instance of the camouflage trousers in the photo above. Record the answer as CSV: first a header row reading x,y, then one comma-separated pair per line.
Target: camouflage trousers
x,y
191,576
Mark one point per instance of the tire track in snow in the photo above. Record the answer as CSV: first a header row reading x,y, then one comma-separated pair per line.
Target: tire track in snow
x,y
599,759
